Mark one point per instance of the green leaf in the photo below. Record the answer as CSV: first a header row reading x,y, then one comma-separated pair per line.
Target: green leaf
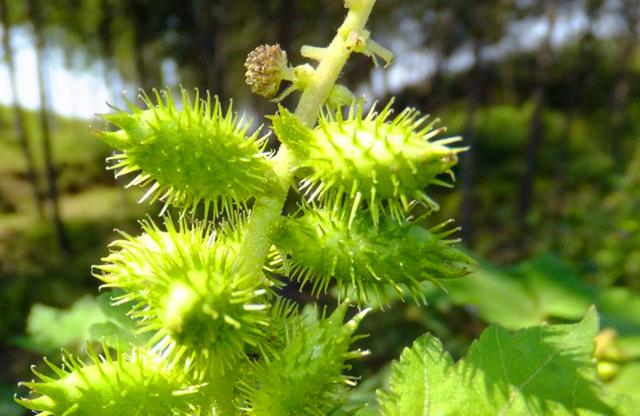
x,y
497,297
528,294
535,371
629,346
556,287
112,335
620,309
626,382
119,330
115,313
50,328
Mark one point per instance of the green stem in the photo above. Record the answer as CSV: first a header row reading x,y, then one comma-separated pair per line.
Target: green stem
x,y
334,59
266,212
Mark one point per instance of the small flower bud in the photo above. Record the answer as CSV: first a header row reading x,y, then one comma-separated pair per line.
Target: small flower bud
x,y
340,96
266,67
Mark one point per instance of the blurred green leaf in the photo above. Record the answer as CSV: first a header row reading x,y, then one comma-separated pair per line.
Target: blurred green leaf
x,y
115,313
627,381
88,319
629,347
496,296
112,335
49,328
119,330
362,398
557,288
8,406
620,309
540,289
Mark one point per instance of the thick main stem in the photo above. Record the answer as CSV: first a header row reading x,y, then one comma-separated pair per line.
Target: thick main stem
x,y
266,212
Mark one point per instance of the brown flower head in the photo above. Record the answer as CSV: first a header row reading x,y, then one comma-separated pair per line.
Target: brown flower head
x,y
266,67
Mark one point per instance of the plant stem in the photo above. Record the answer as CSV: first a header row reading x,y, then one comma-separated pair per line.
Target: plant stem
x,y
266,213
331,65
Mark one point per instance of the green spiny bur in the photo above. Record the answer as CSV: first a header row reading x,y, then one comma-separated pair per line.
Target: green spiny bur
x,y
321,244
384,161
307,376
199,154
183,287
129,384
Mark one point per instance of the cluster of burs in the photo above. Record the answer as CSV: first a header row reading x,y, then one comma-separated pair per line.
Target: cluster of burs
x,y
213,335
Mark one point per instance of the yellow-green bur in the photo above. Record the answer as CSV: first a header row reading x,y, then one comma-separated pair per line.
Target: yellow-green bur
x,y
133,384
363,258
185,291
307,376
199,154
384,162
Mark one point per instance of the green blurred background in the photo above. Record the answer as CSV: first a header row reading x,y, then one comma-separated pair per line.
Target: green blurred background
x,y
546,93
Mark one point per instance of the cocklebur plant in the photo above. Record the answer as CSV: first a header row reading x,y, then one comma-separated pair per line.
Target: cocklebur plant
x,y
214,335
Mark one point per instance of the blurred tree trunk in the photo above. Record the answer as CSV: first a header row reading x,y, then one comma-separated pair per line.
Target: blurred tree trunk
x,y
50,174
220,61
147,69
508,72
20,124
483,25
145,78
556,203
467,165
434,93
620,97
536,127
287,15
210,25
580,79
106,39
